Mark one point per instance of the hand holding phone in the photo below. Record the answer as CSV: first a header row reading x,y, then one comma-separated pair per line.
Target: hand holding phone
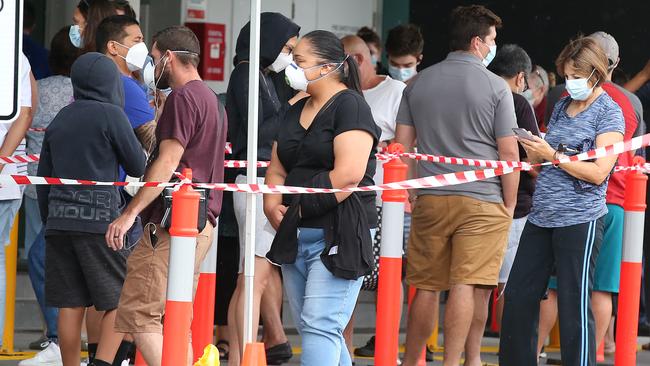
x,y
522,133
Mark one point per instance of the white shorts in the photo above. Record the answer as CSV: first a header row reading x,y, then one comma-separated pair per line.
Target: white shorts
x,y
264,232
516,228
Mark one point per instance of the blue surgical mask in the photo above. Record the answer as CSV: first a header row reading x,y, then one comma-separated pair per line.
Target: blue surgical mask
x,y
402,74
490,56
579,88
75,36
373,60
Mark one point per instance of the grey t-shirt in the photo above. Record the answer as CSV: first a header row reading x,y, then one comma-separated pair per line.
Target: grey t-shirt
x,y
459,109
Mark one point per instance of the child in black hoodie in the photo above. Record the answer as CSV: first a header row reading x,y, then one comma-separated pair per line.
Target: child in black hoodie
x,y
89,139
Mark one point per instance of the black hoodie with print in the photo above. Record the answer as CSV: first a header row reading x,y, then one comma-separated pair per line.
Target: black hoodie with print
x,y
275,31
88,139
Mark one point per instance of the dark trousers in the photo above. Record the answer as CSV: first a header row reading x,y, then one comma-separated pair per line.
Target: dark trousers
x,y
572,251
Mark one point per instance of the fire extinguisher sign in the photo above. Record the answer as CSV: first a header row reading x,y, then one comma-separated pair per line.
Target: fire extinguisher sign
x,y
212,37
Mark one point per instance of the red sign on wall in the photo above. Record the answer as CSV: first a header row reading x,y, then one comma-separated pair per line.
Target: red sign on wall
x,y
212,37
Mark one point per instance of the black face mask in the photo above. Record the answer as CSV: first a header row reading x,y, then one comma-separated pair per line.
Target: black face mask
x,y
162,80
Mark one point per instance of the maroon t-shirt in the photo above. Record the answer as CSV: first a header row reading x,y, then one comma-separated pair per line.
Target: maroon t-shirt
x,y
192,117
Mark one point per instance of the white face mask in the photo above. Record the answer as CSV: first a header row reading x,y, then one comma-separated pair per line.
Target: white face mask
x,y
490,56
402,73
148,72
281,62
75,36
296,78
136,56
528,94
579,88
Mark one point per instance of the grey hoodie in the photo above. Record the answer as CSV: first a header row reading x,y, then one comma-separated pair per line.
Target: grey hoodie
x,y
88,139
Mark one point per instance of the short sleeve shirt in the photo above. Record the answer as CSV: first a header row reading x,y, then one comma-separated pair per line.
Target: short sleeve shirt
x,y
459,109
192,117
136,107
306,153
560,199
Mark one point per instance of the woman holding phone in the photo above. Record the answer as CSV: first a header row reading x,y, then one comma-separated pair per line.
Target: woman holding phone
x,y
565,226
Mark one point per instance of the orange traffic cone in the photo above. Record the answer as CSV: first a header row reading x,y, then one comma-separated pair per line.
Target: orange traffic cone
x,y
254,355
139,360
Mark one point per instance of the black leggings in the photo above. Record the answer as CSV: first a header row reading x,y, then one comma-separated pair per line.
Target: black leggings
x,y
572,251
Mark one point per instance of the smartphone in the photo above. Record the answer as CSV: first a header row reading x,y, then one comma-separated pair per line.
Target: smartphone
x,y
523,133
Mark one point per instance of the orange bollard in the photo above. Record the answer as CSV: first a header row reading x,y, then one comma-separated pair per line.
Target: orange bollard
x,y
600,353
390,262
203,321
180,282
422,361
630,282
494,324
139,360
254,355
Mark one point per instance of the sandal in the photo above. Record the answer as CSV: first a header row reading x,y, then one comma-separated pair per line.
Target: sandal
x,y
224,349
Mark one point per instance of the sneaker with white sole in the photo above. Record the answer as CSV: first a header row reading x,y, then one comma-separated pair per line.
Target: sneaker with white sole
x,y
50,356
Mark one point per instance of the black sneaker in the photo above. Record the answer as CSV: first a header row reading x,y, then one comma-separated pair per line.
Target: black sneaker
x,y
40,344
368,350
428,355
279,354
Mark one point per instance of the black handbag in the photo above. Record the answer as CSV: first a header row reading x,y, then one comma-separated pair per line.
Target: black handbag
x,y
202,220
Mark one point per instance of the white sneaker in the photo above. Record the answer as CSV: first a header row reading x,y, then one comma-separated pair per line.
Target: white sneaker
x,y
50,356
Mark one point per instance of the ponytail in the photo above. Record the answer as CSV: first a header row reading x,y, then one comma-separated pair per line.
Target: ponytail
x,y
329,48
351,77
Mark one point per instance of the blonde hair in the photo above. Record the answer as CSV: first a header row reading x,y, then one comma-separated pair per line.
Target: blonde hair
x,y
587,57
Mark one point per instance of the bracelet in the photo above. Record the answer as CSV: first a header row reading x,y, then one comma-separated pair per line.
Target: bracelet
x,y
555,158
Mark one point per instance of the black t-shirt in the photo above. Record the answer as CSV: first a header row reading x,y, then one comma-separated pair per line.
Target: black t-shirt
x,y
306,153
525,119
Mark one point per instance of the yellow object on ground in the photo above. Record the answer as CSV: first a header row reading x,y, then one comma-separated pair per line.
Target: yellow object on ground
x,y
210,356
11,256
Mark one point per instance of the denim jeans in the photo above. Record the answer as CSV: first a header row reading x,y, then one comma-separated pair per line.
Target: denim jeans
x,y
36,259
33,223
321,304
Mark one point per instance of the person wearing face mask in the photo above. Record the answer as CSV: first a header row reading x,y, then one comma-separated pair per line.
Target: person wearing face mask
x,y
323,241
457,107
607,269
191,133
375,46
278,38
565,226
537,94
513,64
86,18
383,95
119,37
404,46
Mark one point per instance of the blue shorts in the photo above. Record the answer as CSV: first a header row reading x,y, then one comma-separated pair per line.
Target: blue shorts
x,y
607,274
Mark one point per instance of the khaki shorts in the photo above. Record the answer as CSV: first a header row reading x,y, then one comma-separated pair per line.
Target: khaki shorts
x,y
142,302
455,240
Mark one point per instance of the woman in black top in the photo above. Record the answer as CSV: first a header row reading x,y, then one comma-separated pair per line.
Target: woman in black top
x,y
323,243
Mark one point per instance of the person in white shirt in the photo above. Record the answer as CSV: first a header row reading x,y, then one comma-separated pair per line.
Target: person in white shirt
x,y
383,95
12,141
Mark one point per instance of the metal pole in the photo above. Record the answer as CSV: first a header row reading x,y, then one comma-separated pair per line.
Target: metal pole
x,y
251,171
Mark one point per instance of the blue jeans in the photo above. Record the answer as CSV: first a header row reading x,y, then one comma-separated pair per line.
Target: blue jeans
x,y
36,258
321,304
33,223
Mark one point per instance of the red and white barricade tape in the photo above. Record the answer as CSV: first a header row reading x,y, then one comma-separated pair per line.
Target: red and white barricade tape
x,y
19,159
427,182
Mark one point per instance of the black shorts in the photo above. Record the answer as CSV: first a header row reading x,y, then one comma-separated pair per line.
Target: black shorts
x,y
82,271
